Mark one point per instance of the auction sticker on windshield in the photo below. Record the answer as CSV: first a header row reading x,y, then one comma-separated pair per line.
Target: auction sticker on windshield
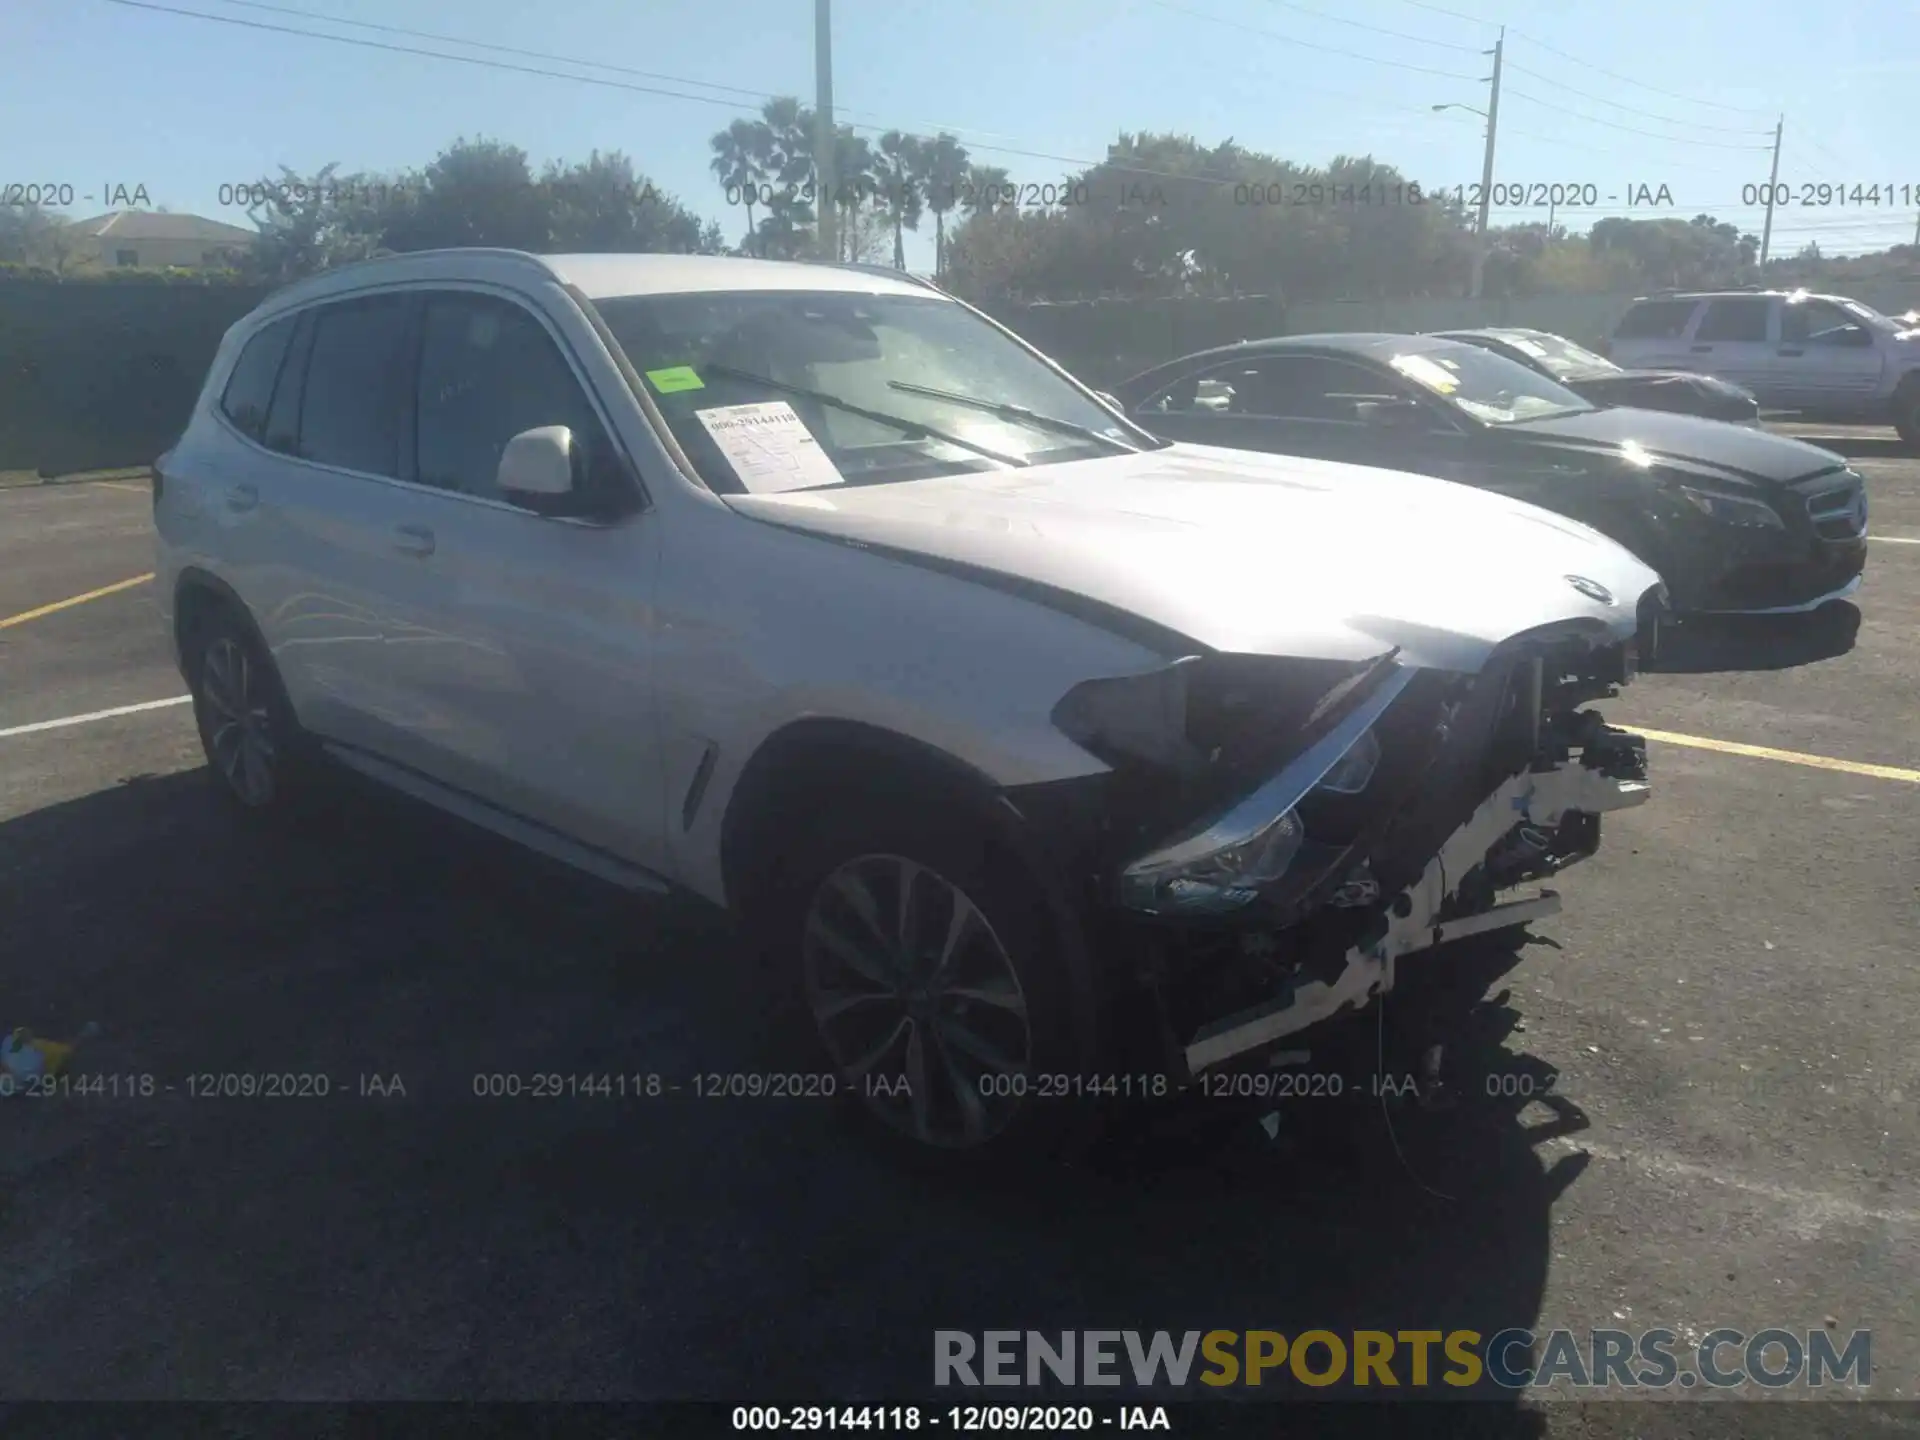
x,y
769,447
1429,373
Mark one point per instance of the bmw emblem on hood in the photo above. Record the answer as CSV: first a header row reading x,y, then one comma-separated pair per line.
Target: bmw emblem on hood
x,y
1592,589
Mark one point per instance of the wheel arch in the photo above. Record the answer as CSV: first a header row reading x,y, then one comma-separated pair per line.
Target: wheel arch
x,y
197,593
820,758
816,761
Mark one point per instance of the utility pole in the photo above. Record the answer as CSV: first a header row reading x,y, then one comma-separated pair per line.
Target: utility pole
x,y
1486,169
1773,181
825,137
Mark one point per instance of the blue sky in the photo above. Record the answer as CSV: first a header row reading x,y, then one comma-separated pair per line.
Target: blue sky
x,y
100,93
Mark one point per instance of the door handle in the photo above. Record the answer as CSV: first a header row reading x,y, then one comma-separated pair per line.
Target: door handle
x,y
1792,352
242,497
1700,349
413,540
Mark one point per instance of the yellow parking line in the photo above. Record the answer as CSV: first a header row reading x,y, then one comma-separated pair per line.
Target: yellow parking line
x,y
1788,757
114,589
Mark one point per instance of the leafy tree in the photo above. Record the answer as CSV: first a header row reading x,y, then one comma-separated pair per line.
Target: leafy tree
x,y
603,204
983,189
34,237
475,192
308,223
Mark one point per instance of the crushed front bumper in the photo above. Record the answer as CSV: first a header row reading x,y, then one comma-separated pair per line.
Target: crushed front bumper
x,y
1540,798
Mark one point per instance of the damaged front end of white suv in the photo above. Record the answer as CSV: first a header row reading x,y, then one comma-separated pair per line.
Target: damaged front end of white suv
x,y
1336,817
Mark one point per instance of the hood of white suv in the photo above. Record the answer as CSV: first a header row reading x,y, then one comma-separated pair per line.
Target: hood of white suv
x,y
1254,554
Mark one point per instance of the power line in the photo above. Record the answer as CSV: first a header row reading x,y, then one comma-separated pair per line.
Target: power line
x,y
483,45
1376,29
1635,110
1632,130
1311,45
1629,80
1442,10
757,95
735,105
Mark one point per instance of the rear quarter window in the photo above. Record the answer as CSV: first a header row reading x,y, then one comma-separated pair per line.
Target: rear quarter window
x,y
249,393
1655,320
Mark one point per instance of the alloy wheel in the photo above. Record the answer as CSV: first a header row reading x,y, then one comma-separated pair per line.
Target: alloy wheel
x,y
917,1000
237,721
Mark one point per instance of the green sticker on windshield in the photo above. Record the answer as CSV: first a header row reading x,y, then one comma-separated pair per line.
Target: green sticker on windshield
x,y
675,378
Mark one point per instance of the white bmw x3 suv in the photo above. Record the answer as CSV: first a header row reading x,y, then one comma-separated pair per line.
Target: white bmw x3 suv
x,y
1039,755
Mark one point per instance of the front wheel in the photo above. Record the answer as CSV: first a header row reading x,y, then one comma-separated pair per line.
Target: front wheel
x,y
940,987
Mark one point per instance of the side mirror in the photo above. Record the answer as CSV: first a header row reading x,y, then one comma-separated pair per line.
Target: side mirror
x,y
538,464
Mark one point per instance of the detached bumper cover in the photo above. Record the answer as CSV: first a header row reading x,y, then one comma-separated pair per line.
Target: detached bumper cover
x,y
1540,798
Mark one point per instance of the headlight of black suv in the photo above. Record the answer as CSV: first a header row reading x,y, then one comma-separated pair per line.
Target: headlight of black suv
x,y
1731,509
1259,842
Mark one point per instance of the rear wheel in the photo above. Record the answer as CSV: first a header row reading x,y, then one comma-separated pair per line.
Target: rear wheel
x,y
255,752
939,986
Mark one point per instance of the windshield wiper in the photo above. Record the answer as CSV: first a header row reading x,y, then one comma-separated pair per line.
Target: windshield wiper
x,y
909,429
1007,411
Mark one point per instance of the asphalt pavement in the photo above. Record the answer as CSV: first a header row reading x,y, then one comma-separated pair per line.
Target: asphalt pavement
x,y
1717,1037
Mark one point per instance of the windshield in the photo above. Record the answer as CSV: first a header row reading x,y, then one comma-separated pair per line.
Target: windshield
x,y
1491,388
1565,359
769,391
1872,316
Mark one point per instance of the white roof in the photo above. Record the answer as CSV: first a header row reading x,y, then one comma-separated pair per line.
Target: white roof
x,y
599,277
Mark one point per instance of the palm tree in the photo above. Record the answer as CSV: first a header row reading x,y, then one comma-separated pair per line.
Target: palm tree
x,y
898,168
783,144
855,180
789,142
739,163
943,170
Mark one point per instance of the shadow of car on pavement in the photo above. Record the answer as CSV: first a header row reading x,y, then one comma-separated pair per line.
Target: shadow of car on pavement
x,y
446,1242
1710,644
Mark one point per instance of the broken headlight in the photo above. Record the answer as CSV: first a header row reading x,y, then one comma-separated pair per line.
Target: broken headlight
x,y
1231,859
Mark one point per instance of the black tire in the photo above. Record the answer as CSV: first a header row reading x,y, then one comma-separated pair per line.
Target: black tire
x,y
1020,948
1906,411
259,761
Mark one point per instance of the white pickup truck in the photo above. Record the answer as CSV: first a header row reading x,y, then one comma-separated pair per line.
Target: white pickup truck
x,y
1821,355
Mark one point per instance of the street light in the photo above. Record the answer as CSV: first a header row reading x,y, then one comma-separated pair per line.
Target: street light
x,y
1468,108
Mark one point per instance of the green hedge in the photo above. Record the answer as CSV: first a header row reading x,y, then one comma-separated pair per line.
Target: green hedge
x,y
98,374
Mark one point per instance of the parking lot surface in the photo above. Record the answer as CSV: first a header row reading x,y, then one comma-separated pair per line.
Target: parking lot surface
x,y
1724,1018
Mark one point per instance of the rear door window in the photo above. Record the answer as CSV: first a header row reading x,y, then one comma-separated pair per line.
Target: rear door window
x,y
1655,320
1742,321
351,408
